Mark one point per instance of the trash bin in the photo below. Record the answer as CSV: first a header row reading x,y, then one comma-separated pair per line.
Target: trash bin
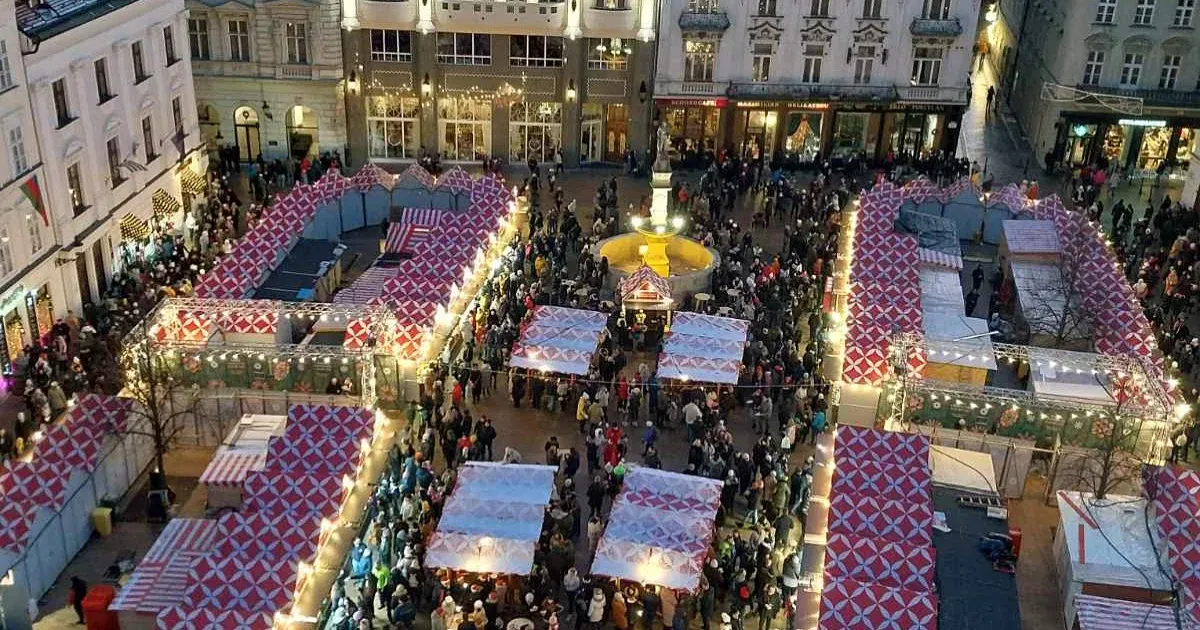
x,y
96,614
102,520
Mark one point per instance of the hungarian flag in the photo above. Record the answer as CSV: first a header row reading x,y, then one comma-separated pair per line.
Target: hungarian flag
x,y
33,192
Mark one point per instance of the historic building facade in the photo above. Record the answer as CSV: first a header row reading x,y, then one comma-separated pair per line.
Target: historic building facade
x,y
269,76
1104,81
469,79
814,78
100,136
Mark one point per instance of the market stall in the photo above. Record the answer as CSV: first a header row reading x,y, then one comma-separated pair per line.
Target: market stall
x,y
242,452
646,297
959,348
558,339
160,579
493,519
660,529
703,348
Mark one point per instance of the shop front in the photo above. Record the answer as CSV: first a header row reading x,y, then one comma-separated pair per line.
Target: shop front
x,y
604,132
693,125
1148,145
534,131
13,328
786,130
465,128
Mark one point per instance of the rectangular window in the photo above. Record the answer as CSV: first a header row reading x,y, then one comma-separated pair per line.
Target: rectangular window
x,y
391,45
535,51
813,55
75,189
819,8
113,149
872,8
766,7
698,60
296,38
611,5
606,54
1183,13
927,65
1131,70
6,78
62,107
393,127
198,38
703,6
16,150
169,45
177,115
103,91
1143,13
6,257
239,40
139,63
864,63
760,70
1170,72
464,49
148,139
1106,11
936,10
1093,68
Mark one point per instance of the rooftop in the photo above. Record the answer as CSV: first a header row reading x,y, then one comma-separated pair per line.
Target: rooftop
x,y
970,589
47,18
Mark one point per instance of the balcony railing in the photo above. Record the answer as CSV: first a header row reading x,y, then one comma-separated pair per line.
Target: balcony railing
x,y
704,22
295,72
1151,98
936,28
691,88
933,94
776,90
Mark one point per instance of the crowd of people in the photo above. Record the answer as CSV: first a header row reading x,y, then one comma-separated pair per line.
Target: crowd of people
x,y
745,435
79,353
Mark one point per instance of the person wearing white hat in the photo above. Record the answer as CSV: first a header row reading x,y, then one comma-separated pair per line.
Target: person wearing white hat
x,y
596,607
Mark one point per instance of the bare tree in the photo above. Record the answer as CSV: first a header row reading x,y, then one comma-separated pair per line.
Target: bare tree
x,y
1053,304
162,401
1112,462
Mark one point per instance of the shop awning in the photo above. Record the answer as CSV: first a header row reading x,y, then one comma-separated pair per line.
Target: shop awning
x,y
133,227
192,182
164,204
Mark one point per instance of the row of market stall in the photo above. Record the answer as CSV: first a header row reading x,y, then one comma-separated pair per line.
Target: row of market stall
x,y
46,498
658,533
697,348
879,556
245,568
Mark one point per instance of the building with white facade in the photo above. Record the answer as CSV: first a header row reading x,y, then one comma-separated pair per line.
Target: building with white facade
x,y
97,108
268,76
811,78
515,80
28,267
1110,81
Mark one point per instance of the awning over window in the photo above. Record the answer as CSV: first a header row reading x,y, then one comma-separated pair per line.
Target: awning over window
x,y
192,182
164,204
133,227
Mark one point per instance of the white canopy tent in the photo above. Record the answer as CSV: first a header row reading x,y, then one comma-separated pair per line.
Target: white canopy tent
x,y
960,469
941,291
955,339
492,521
1050,379
1105,542
703,348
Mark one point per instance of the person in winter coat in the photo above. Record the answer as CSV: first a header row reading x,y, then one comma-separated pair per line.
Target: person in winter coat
x,y
595,611
441,616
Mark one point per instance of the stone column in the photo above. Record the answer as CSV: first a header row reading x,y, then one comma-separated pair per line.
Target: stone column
x,y
355,104
641,111
425,65
572,84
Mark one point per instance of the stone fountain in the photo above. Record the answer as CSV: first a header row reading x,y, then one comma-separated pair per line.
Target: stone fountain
x,y
686,264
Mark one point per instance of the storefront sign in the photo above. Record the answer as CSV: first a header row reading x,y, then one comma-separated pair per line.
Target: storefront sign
x,y
1133,122
780,105
12,299
693,102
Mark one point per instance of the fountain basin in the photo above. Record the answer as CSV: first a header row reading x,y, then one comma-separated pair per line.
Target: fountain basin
x,y
691,263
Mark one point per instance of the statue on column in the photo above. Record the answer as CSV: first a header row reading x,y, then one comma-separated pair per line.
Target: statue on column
x,y
662,150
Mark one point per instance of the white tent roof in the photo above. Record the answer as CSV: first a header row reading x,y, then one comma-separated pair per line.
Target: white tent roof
x,y
1050,378
1108,540
955,339
941,291
970,471
703,348
1027,236
492,520
1042,292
